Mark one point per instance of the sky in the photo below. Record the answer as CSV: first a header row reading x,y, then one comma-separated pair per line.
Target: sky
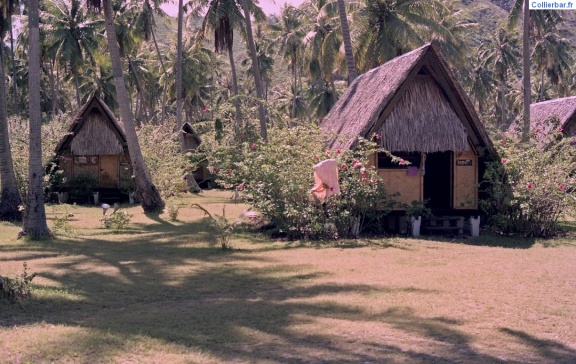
x,y
269,6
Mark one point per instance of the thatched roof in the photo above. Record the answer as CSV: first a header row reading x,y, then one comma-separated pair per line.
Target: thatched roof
x,y
414,102
564,109
94,131
191,134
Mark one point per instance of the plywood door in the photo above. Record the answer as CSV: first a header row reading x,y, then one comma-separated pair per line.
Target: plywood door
x,y
109,173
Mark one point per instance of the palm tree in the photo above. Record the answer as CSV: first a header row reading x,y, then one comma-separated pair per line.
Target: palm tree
x,y
350,64
10,198
222,17
500,56
35,214
552,56
388,29
290,33
72,35
146,191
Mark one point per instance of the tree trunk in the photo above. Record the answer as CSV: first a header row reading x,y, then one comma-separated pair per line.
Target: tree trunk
x,y
14,85
147,193
541,98
502,105
234,86
35,214
293,113
139,89
78,101
164,97
54,103
10,198
526,71
346,39
179,75
256,71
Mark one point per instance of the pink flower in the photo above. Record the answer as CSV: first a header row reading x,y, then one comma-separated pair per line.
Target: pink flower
x,y
187,168
253,145
206,110
338,151
214,170
343,166
331,188
402,162
504,160
229,171
72,133
561,188
377,136
560,129
356,164
529,185
537,131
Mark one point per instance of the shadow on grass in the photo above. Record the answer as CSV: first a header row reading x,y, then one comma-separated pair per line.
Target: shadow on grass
x,y
549,349
167,284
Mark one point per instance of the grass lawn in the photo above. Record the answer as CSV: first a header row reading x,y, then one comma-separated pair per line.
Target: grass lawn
x,y
163,292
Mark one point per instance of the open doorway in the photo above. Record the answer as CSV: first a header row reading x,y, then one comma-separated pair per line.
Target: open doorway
x,y
438,181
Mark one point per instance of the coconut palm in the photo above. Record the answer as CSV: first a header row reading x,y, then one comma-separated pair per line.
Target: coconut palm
x,y
501,57
146,191
10,198
347,40
482,84
552,56
72,36
34,223
290,32
387,29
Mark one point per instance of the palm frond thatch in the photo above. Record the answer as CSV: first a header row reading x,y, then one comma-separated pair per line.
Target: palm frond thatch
x,y
564,109
412,112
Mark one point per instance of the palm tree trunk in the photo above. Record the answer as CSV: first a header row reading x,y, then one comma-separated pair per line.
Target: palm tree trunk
x,y
14,85
164,97
541,98
52,87
234,86
139,89
147,193
346,39
179,75
10,197
35,214
526,71
256,71
294,88
78,101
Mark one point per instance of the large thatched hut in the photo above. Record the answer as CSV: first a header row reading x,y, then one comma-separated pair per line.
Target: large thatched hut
x,y
563,109
417,110
96,147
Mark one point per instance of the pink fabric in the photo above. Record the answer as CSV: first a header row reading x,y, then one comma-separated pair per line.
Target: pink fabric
x,y
326,179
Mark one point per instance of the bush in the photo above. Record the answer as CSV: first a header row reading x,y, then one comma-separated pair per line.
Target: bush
x,y
81,188
277,177
532,184
16,289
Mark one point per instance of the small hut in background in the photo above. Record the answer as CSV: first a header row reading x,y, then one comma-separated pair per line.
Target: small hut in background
x,y
96,146
192,142
419,112
564,109
191,138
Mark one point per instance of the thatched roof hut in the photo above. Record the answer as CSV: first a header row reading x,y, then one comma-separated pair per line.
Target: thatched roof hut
x,y
95,147
94,130
414,102
564,109
191,138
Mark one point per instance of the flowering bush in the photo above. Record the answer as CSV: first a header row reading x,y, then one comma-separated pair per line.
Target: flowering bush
x,y
530,187
276,178
166,163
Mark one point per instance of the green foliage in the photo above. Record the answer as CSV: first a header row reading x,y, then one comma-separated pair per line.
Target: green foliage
x,y
161,150
81,188
61,220
276,178
532,185
16,289
172,212
117,221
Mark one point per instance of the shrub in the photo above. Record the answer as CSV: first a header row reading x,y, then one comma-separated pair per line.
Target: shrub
x,y
81,188
277,177
16,289
530,187
117,221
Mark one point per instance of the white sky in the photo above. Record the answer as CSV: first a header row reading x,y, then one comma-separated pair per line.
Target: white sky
x,y
269,6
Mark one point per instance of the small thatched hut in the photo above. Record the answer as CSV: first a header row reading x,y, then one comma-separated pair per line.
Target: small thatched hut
x,y
96,146
192,142
564,109
419,112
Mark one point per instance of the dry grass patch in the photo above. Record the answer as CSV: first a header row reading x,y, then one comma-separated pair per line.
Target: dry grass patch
x,y
163,291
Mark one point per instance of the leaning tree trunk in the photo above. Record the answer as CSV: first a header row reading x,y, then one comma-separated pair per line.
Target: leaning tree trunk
x,y
10,198
35,215
346,39
256,71
147,193
526,71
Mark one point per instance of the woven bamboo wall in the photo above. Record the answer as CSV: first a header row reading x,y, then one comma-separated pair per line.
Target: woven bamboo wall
x,y
411,188
465,180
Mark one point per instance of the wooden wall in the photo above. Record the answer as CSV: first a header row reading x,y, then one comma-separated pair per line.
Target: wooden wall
x,y
411,188
465,184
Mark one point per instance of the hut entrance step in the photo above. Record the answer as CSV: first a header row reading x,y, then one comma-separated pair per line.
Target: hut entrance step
x,y
111,196
444,225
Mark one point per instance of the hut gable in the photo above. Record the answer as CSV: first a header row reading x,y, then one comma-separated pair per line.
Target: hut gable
x,y
413,101
93,131
564,109
191,138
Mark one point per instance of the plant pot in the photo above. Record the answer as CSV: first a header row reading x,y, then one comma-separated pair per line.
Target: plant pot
x,y
62,197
